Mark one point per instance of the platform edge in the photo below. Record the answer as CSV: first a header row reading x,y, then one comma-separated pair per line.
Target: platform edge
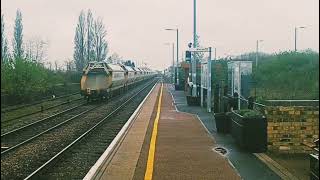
x,y
93,170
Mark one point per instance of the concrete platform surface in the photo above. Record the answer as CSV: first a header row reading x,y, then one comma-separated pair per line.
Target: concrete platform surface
x,y
183,147
247,164
123,162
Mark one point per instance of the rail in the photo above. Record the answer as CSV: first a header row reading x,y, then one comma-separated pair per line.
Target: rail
x,y
8,109
116,141
41,120
85,134
43,132
41,110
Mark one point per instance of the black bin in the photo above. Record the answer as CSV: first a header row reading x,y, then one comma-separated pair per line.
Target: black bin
x,y
249,132
314,166
222,122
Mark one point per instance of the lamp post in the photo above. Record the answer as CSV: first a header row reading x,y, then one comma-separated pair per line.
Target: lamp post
x,y
177,63
295,36
193,60
172,60
257,51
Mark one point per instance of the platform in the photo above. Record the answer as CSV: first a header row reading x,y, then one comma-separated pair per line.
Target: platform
x,y
162,142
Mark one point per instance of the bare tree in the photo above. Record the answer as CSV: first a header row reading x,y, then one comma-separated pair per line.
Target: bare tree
x,y
68,64
90,50
36,50
50,65
114,58
79,42
199,56
99,43
17,41
90,42
56,65
4,43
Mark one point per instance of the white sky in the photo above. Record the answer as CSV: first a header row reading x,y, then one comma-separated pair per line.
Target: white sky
x,y
136,27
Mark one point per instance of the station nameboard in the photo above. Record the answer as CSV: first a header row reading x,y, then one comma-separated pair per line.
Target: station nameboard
x,y
199,49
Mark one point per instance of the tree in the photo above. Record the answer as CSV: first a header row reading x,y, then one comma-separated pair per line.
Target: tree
x,y
4,43
99,43
36,50
17,41
56,65
129,63
89,51
199,56
90,43
79,43
114,58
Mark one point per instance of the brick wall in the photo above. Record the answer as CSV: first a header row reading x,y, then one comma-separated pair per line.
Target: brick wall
x,y
291,127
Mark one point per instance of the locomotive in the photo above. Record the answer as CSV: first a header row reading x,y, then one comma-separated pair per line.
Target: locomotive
x,y
101,79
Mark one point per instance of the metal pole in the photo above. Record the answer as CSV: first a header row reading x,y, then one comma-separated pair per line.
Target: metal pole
x,y
209,82
295,39
215,53
177,70
194,64
257,49
173,67
239,83
232,77
194,24
201,85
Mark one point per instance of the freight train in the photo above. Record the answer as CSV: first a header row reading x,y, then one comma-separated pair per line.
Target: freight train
x,y
101,79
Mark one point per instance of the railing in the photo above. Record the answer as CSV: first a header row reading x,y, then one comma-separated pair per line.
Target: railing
x,y
286,102
289,102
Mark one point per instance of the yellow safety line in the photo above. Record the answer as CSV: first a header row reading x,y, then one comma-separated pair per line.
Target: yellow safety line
x,y
152,148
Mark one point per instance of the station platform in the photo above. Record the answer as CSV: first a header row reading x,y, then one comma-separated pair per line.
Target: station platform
x,y
161,141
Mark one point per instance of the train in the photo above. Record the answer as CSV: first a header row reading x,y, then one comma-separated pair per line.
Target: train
x,y
101,79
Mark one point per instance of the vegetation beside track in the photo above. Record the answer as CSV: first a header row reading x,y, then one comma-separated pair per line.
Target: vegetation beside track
x,y
23,81
284,75
288,75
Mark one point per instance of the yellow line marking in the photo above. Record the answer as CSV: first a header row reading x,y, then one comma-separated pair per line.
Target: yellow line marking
x,y
152,148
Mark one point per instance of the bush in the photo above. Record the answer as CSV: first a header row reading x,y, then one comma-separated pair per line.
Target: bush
x,y
247,113
24,81
288,75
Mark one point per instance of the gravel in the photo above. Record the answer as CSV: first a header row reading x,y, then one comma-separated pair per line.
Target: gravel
x,y
25,159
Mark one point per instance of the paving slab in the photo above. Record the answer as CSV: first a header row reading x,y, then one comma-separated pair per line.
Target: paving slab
x,y
247,164
184,149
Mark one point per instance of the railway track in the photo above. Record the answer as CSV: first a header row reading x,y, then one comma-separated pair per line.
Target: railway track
x,y
22,135
8,126
91,143
34,109
16,107
38,151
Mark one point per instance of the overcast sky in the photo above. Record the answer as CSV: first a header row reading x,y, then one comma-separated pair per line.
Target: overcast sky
x,y
136,27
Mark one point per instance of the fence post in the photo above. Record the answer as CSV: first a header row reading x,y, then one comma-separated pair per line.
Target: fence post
x,y
235,103
250,102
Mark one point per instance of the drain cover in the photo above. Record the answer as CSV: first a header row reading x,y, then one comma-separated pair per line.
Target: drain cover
x,y
221,150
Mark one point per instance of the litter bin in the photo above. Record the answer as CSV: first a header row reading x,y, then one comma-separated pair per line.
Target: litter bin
x,y
249,129
222,122
314,166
